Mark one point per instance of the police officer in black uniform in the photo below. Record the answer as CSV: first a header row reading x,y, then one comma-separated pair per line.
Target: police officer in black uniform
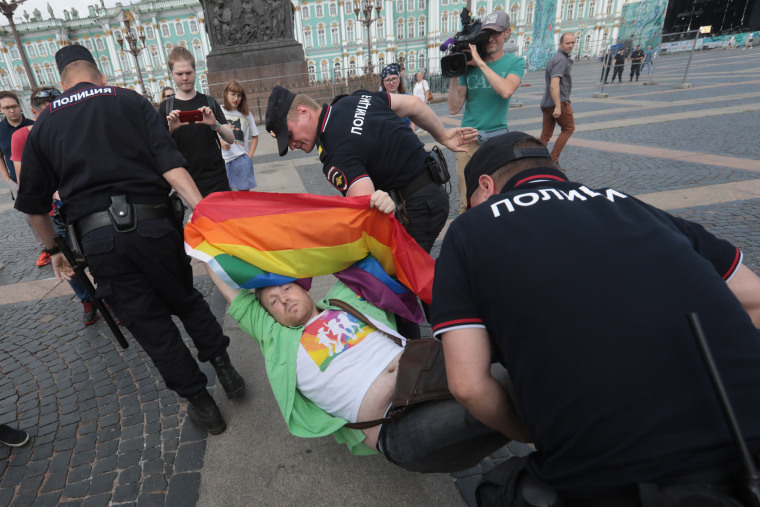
x,y
114,164
364,145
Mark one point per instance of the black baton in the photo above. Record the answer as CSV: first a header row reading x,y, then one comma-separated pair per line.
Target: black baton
x,y
82,276
753,480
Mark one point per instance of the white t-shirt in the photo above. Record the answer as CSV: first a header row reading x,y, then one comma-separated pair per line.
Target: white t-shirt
x,y
420,87
244,128
338,359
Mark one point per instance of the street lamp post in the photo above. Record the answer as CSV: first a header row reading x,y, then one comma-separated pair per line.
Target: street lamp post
x,y
7,8
365,8
133,46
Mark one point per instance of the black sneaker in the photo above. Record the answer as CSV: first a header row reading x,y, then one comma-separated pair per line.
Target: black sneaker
x,y
90,314
203,412
13,437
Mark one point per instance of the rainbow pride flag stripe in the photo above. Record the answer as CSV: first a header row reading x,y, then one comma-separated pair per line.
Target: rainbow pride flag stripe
x,y
256,239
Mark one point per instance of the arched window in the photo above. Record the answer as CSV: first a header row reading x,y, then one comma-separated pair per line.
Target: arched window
x,y
605,36
5,79
52,47
444,2
305,14
587,44
410,28
334,34
100,44
38,74
514,11
400,28
411,62
198,51
312,72
324,71
333,9
445,22
168,47
14,53
321,38
88,44
350,32
149,32
381,61
421,60
193,25
380,28
21,75
165,30
319,10
529,15
348,7
124,59
179,28
352,67
307,37
337,70
105,66
482,12
421,26
399,5
116,35
204,83
31,51
50,76
155,56
183,43
41,49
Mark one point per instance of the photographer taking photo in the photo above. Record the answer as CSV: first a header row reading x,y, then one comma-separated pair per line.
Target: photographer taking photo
x,y
492,78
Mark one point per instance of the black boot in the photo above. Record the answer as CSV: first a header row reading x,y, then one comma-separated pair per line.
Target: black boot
x,y
204,412
232,383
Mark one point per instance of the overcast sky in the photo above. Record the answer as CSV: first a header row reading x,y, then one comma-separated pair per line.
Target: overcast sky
x,y
58,7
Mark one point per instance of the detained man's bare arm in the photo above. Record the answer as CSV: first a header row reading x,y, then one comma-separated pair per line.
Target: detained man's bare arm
x,y
468,367
228,292
745,285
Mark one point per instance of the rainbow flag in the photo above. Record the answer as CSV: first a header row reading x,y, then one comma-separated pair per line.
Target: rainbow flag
x,y
256,239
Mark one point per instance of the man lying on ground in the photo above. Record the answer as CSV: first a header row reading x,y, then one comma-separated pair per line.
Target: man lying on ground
x,y
327,368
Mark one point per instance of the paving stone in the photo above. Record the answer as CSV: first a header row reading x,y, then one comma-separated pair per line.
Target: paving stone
x,y
154,500
183,489
190,456
55,481
37,468
106,464
83,458
102,483
126,492
80,473
48,500
101,500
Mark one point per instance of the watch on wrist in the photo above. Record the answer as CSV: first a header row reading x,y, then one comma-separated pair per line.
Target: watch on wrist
x,y
52,251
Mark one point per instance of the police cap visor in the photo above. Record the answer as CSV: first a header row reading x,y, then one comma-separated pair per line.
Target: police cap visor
x,y
278,106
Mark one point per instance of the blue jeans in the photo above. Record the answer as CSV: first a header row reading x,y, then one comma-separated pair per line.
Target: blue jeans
x,y
439,437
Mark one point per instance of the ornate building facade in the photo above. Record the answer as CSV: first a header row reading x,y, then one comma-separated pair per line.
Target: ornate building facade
x,y
164,24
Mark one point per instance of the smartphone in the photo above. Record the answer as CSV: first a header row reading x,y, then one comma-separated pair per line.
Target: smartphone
x,y
190,116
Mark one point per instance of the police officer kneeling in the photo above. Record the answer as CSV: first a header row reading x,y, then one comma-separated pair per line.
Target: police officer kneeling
x,y
114,164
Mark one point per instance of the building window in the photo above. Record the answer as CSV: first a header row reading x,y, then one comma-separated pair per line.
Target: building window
x,y
445,22
41,49
421,60
337,71
312,72
117,35
14,52
106,67
410,28
168,47
333,9
88,44
5,79
529,14
305,14
348,7
444,2
52,47
570,11
514,11
38,75
609,7
183,43
527,43
31,51
149,32
400,6
380,28
204,84
193,25
411,62
381,61
179,28
307,39
52,79
324,71
400,29
319,10
352,68
587,44
321,39
581,10
482,12
198,50
21,76
99,44
421,24
334,36
592,8
421,5
124,59
154,55
165,30
410,5
349,32
605,36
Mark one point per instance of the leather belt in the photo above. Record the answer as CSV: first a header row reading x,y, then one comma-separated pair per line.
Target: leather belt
x,y
422,179
102,218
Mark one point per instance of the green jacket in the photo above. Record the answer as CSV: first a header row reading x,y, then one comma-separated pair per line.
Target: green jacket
x,y
279,345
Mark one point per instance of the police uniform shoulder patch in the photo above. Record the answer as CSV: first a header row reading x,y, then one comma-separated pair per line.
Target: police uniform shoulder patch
x,y
337,178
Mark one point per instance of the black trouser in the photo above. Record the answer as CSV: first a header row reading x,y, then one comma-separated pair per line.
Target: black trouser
x,y
606,72
427,210
147,277
618,72
635,69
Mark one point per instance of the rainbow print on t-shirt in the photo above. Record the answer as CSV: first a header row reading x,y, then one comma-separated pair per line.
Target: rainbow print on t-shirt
x,y
331,334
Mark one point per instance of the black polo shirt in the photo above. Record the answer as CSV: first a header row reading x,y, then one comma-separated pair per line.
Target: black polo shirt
x,y
584,295
360,136
93,142
6,134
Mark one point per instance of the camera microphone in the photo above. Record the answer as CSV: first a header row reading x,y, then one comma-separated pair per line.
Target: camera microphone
x,y
446,45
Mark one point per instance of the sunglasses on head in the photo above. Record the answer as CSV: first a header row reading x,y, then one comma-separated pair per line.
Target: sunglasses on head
x,y
48,94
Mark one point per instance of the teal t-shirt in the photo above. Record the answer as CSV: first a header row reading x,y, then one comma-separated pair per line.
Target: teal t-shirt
x,y
484,109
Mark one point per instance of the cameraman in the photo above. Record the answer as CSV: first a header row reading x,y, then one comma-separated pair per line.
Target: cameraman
x,y
485,90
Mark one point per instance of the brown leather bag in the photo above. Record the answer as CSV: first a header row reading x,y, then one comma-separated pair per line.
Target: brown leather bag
x,y
428,96
421,373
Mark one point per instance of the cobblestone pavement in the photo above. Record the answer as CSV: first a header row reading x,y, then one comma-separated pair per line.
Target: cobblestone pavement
x,y
105,429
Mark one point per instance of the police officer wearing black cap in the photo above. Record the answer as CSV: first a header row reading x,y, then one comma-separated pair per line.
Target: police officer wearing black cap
x,y
583,296
364,145
105,150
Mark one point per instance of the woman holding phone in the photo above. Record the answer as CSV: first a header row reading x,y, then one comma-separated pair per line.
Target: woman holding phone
x,y
238,156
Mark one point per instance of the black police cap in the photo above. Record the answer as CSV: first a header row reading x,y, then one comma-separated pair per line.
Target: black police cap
x,y
68,54
278,106
494,154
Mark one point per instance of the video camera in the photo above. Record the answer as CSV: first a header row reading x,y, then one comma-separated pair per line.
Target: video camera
x,y
455,63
